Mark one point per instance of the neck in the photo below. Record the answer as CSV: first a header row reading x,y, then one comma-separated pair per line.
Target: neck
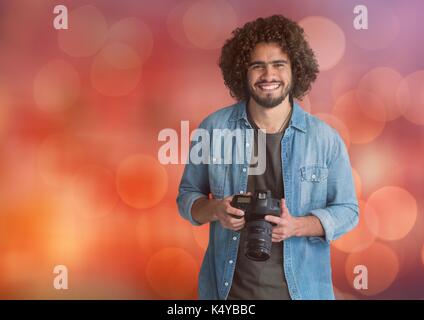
x,y
270,119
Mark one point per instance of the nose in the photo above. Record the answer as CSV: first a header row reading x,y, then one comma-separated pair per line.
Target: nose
x,y
268,73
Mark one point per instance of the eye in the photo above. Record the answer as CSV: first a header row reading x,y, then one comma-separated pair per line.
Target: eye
x,y
279,65
257,67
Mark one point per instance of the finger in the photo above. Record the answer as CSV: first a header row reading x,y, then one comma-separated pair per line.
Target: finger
x,y
284,209
238,225
236,221
234,211
274,219
279,237
282,205
276,238
238,228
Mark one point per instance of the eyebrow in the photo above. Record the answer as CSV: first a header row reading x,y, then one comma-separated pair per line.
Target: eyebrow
x,y
263,62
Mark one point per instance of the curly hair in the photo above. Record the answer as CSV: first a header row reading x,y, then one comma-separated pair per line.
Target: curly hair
x,y
235,54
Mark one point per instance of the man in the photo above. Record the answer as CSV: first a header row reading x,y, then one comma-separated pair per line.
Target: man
x,y
266,64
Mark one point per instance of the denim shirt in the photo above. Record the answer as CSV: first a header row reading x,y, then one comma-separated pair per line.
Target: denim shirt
x,y
318,181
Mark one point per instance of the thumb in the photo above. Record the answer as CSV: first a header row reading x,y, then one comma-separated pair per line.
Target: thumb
x,y
228,199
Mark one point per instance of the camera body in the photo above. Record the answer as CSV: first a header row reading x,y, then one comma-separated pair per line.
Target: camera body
x,y
259,231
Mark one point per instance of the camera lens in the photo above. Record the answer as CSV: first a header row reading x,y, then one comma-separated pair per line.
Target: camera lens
x,y
259,240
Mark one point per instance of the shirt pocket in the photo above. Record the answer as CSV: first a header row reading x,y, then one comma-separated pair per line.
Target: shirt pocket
x,y
313,186
217,177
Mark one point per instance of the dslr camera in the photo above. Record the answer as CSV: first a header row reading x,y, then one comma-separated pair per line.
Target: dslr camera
x,y
259,231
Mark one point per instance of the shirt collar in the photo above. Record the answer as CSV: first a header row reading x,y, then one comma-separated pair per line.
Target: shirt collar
x,y
298,119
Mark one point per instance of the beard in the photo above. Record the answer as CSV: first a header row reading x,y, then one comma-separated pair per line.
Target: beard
x,y
269,101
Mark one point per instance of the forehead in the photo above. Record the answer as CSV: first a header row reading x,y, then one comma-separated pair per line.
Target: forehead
x,y
267,51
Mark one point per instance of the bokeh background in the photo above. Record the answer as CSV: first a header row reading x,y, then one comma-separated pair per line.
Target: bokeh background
x,y
80,114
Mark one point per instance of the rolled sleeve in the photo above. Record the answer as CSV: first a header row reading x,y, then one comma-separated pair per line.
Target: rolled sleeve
x,y
327,224
341,213
185,203
194,185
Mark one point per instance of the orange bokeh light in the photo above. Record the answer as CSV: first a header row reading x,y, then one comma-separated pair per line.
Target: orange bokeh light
x,y
86,33
135,33
175,26
305,103
395,210
205,85
94,192
337,124
58,157
382,82
201,235
382,266
207,23
340,295
357,239
6,104
410,97
172,273
378,164
346,78
141,181
160,227
330,49
358,183
56,86
383,27
116,70
362,128
422,254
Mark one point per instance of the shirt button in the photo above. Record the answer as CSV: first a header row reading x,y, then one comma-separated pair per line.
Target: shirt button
x,y
241,191
314,176
214,159
247,144
231,261
244,169
234,238
226,284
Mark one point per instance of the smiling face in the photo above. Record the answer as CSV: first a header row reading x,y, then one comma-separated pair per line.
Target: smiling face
x,y
269,76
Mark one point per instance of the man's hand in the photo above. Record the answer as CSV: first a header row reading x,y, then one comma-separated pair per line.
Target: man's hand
x,y
225,213
286,224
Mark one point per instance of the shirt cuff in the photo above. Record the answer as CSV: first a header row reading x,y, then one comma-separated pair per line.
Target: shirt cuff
x,y
327,223
188,204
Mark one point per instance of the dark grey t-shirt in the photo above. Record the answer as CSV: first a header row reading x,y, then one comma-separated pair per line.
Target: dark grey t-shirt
x,y
263,279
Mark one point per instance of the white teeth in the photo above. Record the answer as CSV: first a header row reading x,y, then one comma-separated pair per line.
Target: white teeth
x,y
269,87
